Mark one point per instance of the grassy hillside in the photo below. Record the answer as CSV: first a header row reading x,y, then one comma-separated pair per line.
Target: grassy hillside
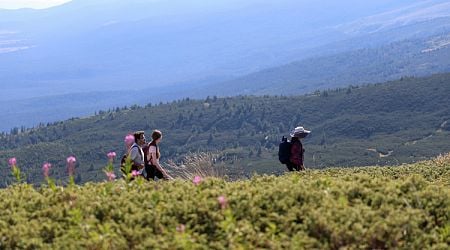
x,y
404,207
386,124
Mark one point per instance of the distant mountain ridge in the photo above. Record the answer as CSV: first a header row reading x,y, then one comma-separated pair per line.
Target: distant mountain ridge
x,y
421,11
406,58
420,57
174,49
154,43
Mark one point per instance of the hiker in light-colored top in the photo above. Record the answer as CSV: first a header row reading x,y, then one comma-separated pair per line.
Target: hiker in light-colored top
x,y
297,151
153,167
136,153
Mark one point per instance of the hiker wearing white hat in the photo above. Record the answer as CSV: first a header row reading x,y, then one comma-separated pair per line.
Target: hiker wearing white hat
x,y
297,151
300,132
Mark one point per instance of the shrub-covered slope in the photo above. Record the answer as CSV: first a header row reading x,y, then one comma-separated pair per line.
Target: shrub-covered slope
x,y
405,207
396,122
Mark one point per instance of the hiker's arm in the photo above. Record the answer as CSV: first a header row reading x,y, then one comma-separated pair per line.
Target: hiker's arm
x,y
165,174
155,162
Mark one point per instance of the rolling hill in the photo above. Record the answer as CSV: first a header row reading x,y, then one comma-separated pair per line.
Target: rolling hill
x,y
154,43
419,57
124,49
416,57
396,122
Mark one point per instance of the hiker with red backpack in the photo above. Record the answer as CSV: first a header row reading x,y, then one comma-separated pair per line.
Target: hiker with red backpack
x,y
152,155
291,153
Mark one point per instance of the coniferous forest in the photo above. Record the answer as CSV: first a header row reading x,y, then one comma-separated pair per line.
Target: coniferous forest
x,y
389,123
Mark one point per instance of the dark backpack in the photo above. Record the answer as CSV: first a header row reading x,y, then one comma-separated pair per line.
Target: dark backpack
x,y
284,151
124,160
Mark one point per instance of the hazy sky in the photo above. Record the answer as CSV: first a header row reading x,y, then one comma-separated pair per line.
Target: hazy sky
x,y
36,4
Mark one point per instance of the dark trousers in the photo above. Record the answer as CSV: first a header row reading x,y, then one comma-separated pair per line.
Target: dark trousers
x,y
153,172
293,167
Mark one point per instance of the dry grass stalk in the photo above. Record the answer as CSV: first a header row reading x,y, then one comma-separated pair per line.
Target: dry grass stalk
x,y
442,160
198,164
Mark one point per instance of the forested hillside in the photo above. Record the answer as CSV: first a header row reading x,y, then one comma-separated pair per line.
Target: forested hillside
x,y
391,123
232,47
414,57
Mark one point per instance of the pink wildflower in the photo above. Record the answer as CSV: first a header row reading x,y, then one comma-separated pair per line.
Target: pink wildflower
x,y
197,179
129,140
111,176
223,202
71,164
111,156
135,173
181,228
12,162
46,169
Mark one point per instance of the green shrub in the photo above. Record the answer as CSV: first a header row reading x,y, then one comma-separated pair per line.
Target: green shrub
x,y
405,207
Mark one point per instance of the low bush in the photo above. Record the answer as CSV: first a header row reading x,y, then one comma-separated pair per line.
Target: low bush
x,y
404,207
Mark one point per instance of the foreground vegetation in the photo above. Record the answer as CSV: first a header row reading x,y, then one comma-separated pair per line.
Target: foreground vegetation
x,y
404,207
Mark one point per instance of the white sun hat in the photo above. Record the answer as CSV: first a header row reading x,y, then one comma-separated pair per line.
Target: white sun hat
x,y
300,132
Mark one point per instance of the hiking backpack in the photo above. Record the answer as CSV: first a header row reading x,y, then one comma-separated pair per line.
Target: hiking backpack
x,y
284,151
123,161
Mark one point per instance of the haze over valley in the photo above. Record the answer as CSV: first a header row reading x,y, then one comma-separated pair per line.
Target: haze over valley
x,y
113,53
